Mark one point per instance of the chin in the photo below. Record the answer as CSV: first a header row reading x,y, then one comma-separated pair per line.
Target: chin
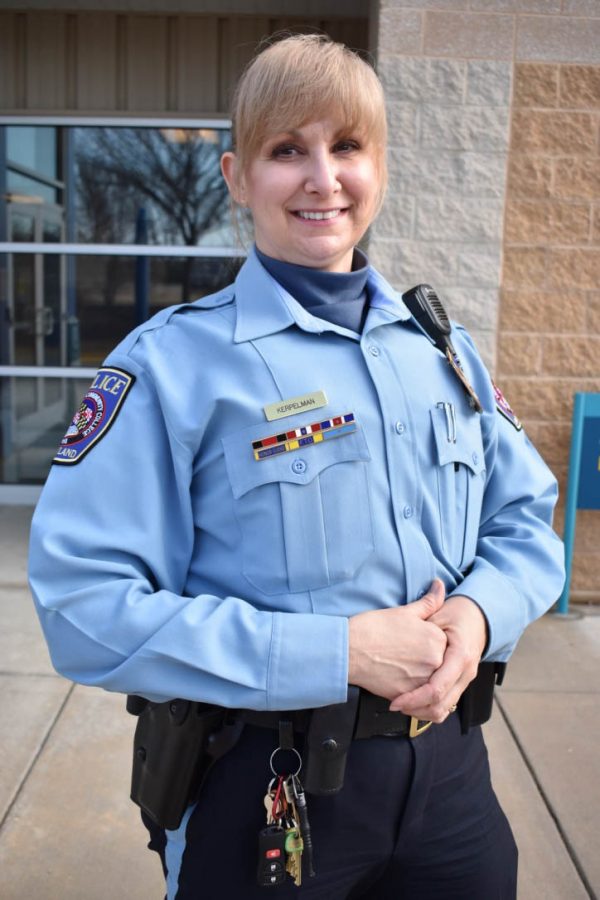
x,y
327,259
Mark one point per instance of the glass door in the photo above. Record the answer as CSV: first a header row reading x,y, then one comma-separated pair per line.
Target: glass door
x,y
36,295
37,335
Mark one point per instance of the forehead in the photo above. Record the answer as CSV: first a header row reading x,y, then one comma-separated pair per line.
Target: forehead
x,y
327,128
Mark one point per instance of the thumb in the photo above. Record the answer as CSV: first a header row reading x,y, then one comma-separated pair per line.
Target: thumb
x,y
431,602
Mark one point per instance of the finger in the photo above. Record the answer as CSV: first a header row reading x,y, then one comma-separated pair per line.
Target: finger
x,y
433,712
431,602
435,691
429,714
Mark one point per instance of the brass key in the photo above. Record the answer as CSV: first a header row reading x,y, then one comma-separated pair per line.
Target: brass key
x,y
294,846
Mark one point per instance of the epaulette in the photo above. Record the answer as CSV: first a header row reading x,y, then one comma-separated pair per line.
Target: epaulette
x,y
211,301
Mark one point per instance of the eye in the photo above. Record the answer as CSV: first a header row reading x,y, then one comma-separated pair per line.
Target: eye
x,y
284,151
346,145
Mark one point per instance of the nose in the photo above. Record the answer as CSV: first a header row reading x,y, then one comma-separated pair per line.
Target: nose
x,y
322,176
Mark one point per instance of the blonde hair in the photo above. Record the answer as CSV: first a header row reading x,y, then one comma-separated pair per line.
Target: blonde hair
x,y
301,78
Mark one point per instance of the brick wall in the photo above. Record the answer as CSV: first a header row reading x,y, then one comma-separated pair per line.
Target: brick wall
x,y
494,110
549,343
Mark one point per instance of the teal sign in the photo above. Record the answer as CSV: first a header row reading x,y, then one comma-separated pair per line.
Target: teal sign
x,y
588,495
583,488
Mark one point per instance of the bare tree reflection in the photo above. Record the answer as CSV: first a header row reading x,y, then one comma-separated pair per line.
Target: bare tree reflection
x,y
173,173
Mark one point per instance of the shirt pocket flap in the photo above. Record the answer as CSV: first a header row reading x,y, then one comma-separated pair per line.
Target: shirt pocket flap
x,y
458,440
299,466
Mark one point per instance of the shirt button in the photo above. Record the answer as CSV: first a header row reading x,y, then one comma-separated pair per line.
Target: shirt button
x,y
399,428
299,467
373,350
408,511
475,458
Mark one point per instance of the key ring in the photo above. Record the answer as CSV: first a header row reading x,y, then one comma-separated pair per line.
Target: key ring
x,y
293,750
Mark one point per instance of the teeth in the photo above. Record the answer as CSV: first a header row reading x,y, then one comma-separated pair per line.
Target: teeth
x,y
330,214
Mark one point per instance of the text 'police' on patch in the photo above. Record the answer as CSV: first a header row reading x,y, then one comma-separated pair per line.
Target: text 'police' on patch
x,y
96,413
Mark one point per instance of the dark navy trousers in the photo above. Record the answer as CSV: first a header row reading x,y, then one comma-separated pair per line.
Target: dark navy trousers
x,y
417,819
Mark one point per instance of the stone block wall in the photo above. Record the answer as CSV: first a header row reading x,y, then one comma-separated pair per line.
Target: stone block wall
x,y
494,109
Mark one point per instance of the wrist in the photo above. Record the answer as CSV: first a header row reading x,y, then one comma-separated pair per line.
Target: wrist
x,y
354,649
473,610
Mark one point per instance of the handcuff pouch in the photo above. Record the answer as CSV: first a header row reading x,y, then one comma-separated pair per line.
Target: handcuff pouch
x,y
326,747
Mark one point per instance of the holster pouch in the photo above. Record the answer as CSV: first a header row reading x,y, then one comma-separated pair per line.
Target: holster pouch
x,y
475,704
326,747
171,754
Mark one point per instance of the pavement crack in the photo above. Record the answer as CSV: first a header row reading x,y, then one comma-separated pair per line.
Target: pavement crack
x,y
38,753
572,853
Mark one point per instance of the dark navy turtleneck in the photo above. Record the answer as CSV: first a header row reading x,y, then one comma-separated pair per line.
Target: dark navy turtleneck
x,y
338,297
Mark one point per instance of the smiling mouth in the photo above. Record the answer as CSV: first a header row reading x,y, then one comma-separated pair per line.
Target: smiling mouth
x,y
316,215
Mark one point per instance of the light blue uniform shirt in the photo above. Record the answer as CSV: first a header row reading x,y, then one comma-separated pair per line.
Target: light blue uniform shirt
x,y
169,562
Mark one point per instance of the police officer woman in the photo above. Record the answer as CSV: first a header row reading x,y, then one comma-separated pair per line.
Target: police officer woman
x,y
285,489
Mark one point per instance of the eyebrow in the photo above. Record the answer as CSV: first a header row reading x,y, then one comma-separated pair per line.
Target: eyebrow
x,y
296,134
282,135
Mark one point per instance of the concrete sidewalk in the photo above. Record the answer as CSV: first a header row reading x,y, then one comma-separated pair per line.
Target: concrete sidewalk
x,y
69,832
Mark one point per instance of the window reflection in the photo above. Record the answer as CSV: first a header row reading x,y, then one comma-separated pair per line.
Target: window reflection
x,y
23,309
151,185
25,189
112,297
97,184
34,412
34,147
23,227
32,164
28,440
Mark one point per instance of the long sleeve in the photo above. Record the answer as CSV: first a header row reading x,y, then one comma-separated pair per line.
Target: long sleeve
x,y
518,569
111,544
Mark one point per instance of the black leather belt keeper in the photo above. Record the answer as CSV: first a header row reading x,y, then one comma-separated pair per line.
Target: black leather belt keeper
x,y
328,738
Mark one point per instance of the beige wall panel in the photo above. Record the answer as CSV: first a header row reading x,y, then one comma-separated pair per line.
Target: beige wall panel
x,y
146,89
219,7
354,32
46,61
96,62
237,43
196,62
9,61
295,24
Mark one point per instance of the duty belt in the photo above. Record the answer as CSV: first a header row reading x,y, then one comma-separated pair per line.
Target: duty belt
x,y
373,719
177,741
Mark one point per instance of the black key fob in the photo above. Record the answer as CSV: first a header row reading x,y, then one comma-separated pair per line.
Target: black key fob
x,y
271,856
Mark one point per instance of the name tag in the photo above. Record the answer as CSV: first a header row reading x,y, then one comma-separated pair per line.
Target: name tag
x,y
284,408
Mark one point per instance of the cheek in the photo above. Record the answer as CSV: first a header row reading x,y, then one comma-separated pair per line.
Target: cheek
x,y
368,192
267,197
367,183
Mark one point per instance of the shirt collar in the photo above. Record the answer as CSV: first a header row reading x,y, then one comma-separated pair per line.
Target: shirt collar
x,y
264,307
386,299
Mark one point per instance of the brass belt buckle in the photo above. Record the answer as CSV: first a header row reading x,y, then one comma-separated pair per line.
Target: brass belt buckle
x,y
417,727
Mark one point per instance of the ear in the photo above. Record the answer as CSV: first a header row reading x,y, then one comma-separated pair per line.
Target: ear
x,y
235,181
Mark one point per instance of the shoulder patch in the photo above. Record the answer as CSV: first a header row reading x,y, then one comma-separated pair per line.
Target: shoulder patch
x,y
97,412
505,409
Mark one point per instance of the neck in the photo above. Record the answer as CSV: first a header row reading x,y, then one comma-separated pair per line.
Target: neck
x,y
339,297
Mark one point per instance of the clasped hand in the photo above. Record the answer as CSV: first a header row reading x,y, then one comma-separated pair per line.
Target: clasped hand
x,y
420,656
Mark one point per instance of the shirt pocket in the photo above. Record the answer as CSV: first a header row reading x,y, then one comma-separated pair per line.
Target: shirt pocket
x,y
305,515
461,476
